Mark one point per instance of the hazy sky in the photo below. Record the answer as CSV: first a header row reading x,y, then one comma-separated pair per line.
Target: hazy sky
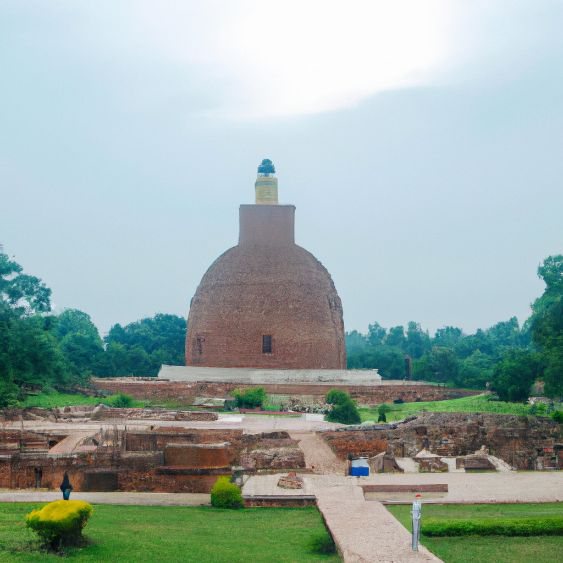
x,y
422,143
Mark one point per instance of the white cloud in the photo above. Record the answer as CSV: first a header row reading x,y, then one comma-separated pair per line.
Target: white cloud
x,y
276,58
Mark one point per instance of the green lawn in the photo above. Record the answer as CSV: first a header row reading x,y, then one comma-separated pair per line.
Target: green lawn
x,y
173,533
55,399
497,549
477,403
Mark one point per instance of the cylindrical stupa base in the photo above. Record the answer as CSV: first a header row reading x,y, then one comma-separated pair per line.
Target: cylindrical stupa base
x,y
266,188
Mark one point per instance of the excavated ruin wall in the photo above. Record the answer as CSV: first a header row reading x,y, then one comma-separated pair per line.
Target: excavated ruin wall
x,y
518,440
159,438
211,456
185,392
167,459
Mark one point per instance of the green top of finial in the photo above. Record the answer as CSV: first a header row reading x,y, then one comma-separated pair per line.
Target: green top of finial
x,y
266,167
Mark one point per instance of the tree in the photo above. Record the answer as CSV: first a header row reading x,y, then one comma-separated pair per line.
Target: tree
x,y
440,364
475,370
514,374
376,334
80,341
418,341
396,337
29,351
553,373
24,294
143,346
448,336
73,321
547,324
505,333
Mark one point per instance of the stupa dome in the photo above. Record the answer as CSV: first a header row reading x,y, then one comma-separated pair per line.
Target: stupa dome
x,y
267,302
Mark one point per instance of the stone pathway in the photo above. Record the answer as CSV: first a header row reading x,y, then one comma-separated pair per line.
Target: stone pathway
x,y
365,531
139,499
318,455
70,443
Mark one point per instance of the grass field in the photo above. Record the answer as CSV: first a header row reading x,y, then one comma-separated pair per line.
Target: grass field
x,y
174,533
477,403
55,399
497,549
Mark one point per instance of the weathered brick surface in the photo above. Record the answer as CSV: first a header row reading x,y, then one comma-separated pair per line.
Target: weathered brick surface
x,y
518,440
279,501
197,455
185,392
152,414
356,443
166,459
157,439
266,285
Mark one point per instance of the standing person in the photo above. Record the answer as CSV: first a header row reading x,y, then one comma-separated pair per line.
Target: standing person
x,y
66,487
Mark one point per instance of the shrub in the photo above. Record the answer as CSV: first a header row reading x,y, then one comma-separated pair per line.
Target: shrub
x,y
250,398
225,494
383,409
551,526
121,401
336,397
60,522
344,411
321,543
557,416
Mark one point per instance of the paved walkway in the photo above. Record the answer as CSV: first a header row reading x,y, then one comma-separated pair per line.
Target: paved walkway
x,y
139,499
366,531
318,455
249,423
70,443
527,486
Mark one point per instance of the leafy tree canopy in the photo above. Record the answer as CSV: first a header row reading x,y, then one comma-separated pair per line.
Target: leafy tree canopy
x,y
23,293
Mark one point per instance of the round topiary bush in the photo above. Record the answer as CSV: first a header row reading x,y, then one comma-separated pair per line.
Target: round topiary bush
x,y
225,494
61,522
343,410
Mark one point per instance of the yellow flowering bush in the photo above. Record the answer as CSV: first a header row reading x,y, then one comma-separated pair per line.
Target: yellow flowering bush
x,y
60,522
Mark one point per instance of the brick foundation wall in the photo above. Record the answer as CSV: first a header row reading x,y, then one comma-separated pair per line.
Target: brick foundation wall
x,y
186,392
518,440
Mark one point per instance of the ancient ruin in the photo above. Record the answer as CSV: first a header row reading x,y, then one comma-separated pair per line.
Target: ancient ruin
x,y
266,302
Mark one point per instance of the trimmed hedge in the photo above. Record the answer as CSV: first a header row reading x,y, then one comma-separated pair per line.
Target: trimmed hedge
x,y
548,526
60,522
250,398
225,494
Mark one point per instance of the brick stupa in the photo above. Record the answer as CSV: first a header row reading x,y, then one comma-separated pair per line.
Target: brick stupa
x,y
266,303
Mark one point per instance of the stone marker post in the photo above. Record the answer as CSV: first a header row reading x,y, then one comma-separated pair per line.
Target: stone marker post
x,y
416,514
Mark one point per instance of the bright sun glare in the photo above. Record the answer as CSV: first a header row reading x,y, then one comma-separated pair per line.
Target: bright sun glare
x,y
297,57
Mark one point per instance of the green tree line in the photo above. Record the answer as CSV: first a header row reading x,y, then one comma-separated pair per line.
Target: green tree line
x,y
39,349
506,357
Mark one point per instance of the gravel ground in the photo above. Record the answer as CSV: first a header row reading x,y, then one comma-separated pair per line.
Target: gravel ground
x,y
318,455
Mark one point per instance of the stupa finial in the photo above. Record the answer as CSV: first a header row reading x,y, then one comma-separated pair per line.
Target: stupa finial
x,y
266,186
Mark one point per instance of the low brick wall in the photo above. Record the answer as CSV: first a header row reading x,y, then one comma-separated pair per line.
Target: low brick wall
x,y
279,501
152,414
185,392
421,488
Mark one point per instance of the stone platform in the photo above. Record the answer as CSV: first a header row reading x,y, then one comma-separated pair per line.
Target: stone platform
x,y
253,376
